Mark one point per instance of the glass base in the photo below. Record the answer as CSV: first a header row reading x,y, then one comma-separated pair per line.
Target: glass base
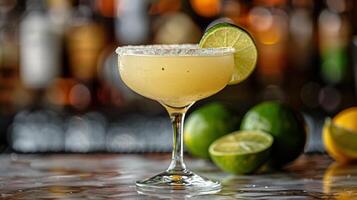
x,y
183,182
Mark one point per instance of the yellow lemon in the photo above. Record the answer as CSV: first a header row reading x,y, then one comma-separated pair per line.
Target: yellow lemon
x,y
340,136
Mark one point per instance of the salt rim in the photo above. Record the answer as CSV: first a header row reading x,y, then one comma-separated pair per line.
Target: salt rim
x,y
173,50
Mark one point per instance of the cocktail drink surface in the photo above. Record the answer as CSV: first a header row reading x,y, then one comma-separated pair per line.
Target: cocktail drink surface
x,y
176,76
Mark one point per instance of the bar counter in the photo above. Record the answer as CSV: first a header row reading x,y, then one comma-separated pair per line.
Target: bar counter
x,y
113,176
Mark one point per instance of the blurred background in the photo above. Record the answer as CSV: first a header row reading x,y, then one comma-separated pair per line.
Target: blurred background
x,y
59,85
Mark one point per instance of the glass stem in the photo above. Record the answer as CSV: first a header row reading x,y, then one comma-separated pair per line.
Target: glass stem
x,y
177,116
177,163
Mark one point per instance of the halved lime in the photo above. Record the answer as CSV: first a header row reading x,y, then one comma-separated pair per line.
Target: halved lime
x,y
229,35
241,152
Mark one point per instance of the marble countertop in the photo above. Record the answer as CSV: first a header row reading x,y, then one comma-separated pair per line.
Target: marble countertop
x,y
113,176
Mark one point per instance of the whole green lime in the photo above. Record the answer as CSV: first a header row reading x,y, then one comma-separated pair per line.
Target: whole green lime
x,y
205,125
285,125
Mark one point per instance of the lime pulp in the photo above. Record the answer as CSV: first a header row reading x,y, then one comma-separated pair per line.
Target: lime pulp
x,y
241,152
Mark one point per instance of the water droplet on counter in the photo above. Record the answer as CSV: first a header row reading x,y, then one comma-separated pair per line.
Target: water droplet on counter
x,y
13,157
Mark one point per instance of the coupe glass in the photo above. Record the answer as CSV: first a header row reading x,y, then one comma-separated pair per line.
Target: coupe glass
x,y
176,76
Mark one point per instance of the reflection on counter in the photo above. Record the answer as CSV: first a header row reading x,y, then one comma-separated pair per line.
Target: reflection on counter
x,y
337,179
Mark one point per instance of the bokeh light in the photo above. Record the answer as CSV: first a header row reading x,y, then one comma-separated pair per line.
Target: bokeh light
x,y
206,8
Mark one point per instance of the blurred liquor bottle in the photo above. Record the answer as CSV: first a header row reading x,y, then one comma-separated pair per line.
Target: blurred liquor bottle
x,y
8,55
268,20
301,29
334,39
8,65
302,47
59,12
85,40
132,22
109,97
40,51
334,31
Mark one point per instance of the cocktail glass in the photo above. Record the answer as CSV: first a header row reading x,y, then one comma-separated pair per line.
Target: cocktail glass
x,y
176,76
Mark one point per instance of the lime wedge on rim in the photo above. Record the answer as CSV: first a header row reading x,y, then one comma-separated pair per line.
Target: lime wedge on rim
x,y
229,35
241,152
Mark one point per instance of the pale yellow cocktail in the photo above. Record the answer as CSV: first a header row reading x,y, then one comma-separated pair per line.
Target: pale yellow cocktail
x,y
176,80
